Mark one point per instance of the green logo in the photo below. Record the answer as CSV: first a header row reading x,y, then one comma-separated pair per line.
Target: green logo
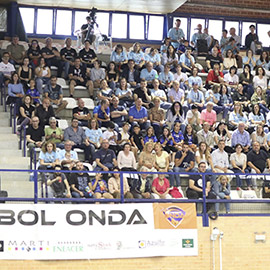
x,y
187,243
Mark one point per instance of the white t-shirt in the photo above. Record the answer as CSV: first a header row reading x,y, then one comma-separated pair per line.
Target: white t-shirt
x,y
180,77
7,69
107,134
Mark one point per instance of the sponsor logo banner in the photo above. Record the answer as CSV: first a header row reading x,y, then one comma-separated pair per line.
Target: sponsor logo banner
x,y
46,232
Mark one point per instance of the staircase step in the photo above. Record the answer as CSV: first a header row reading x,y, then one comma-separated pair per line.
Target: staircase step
x,y
4,121
9,145
5,130
8,137
18,188
14,153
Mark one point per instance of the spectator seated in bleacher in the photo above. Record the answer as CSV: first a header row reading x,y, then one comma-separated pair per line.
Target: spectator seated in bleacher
x,y
222,190
223,133
16,51
209,115
118,113
33,92
214,77
81,113
119,57
136,138
54,134
260,79
131,74
149,74
34,53
68,157
241,136
246,79
43,74
154,57
112,75
150,136
220,159
48,158
229,61
100,188
58,186
190,137
105,91
156,92
195,186
126,159
187,61
6,69
184,162
166,78
162,158
94,133
250,60
181,77
87,55
259,97
170,57
114,186
193,117
97,74
237,116
105,158
52,56
102,113
124,94
68,55
194,78
44,112
80,183
231,79
239,165
161,187
213,59
141,187
76,135
205,135
176,93
260,136
15,92
241,98
144,94
111,135
79,75
137,55
26,112
259,162
25,73
165,44
138,113
157,117
54,93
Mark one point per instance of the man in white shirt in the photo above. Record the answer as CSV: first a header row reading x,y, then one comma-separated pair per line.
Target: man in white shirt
x,y
156,92
6,69
221,160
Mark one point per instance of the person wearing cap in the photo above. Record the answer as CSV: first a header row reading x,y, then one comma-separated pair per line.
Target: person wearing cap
x,y
196,36
214,77
16,51
193,117
209,115
251,38
176,34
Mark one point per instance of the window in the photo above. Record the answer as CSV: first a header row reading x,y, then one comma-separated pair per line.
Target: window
x,y
119,25
215,29
103,22
184,24
63,22
194,23
262,34
80,19
245,30
155,30
136,27
44,21
230,24
28,15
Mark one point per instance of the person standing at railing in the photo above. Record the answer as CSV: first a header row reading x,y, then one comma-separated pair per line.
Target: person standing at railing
x,y
257,160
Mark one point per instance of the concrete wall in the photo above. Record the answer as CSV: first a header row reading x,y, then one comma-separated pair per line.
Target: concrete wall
x,y
239,252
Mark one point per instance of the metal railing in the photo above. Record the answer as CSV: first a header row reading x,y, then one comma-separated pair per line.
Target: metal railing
x,y
204,201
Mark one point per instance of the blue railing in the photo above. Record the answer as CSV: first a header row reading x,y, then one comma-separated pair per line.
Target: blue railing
x,y
205,218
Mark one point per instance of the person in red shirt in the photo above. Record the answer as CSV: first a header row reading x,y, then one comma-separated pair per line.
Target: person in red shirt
x,y
215,76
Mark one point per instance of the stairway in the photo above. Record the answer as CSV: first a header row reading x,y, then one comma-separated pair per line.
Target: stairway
x,y
15,183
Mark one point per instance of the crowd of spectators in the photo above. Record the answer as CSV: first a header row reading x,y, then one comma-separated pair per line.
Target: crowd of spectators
x,y
153,113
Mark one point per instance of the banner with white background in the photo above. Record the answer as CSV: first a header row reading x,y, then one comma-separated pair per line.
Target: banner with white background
x,y
90,231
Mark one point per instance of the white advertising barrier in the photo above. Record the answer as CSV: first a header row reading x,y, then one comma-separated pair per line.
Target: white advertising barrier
x,y
90,231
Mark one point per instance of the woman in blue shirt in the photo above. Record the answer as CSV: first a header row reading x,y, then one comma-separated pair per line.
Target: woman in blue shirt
x,y
177,135
15,92
137,55
154,58
249,59
119,56
150,136
94,133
